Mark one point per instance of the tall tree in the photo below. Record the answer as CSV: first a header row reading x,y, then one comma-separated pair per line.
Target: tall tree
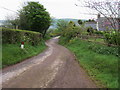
x,y
34,17
24,25
11,21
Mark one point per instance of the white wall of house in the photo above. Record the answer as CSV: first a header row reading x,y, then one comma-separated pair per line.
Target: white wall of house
x,y
104,24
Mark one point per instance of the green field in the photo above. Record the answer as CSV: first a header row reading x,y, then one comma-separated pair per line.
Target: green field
x,y
101,62
12,53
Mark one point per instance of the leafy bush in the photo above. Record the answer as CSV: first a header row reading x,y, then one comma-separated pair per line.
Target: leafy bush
x,y
99,32
12,36
90,30
112,38
71,31
62,24
54,32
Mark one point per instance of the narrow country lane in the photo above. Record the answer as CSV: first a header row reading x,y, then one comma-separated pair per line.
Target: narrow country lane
x,y
56,67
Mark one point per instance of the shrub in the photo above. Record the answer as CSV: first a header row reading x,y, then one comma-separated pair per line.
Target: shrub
x,y
90,30
54,32
99,32
71,31
12,36
112,38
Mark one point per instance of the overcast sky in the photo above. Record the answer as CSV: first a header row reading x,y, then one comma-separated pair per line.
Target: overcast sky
x,y
56,8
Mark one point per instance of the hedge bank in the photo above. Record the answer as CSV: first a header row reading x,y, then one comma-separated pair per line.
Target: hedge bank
x,y
11,51
13,36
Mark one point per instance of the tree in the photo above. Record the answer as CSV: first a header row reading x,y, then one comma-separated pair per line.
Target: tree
x,y
11,22
34,17
23,21
62,24
71,31
80,22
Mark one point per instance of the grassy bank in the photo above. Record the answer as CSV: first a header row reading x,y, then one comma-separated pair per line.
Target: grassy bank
x,y
12,53
101,62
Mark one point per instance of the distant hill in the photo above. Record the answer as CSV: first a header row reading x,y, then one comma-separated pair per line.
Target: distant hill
x,y
2,21
66,19
55,21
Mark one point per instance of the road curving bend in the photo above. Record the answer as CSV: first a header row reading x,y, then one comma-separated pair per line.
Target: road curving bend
x,y
56,67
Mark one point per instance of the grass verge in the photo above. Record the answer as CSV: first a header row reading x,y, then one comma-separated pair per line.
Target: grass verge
x,y
102,67
12,53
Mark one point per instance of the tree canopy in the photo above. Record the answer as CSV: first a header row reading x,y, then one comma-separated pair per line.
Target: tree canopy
x,y
34,17
80,22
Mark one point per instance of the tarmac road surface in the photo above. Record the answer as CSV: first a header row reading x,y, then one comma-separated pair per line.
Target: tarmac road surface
x,y
56,67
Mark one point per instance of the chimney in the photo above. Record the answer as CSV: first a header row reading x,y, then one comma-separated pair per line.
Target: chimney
x,y
98,16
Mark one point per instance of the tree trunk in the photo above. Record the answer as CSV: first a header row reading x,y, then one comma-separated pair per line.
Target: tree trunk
x,y
44,33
